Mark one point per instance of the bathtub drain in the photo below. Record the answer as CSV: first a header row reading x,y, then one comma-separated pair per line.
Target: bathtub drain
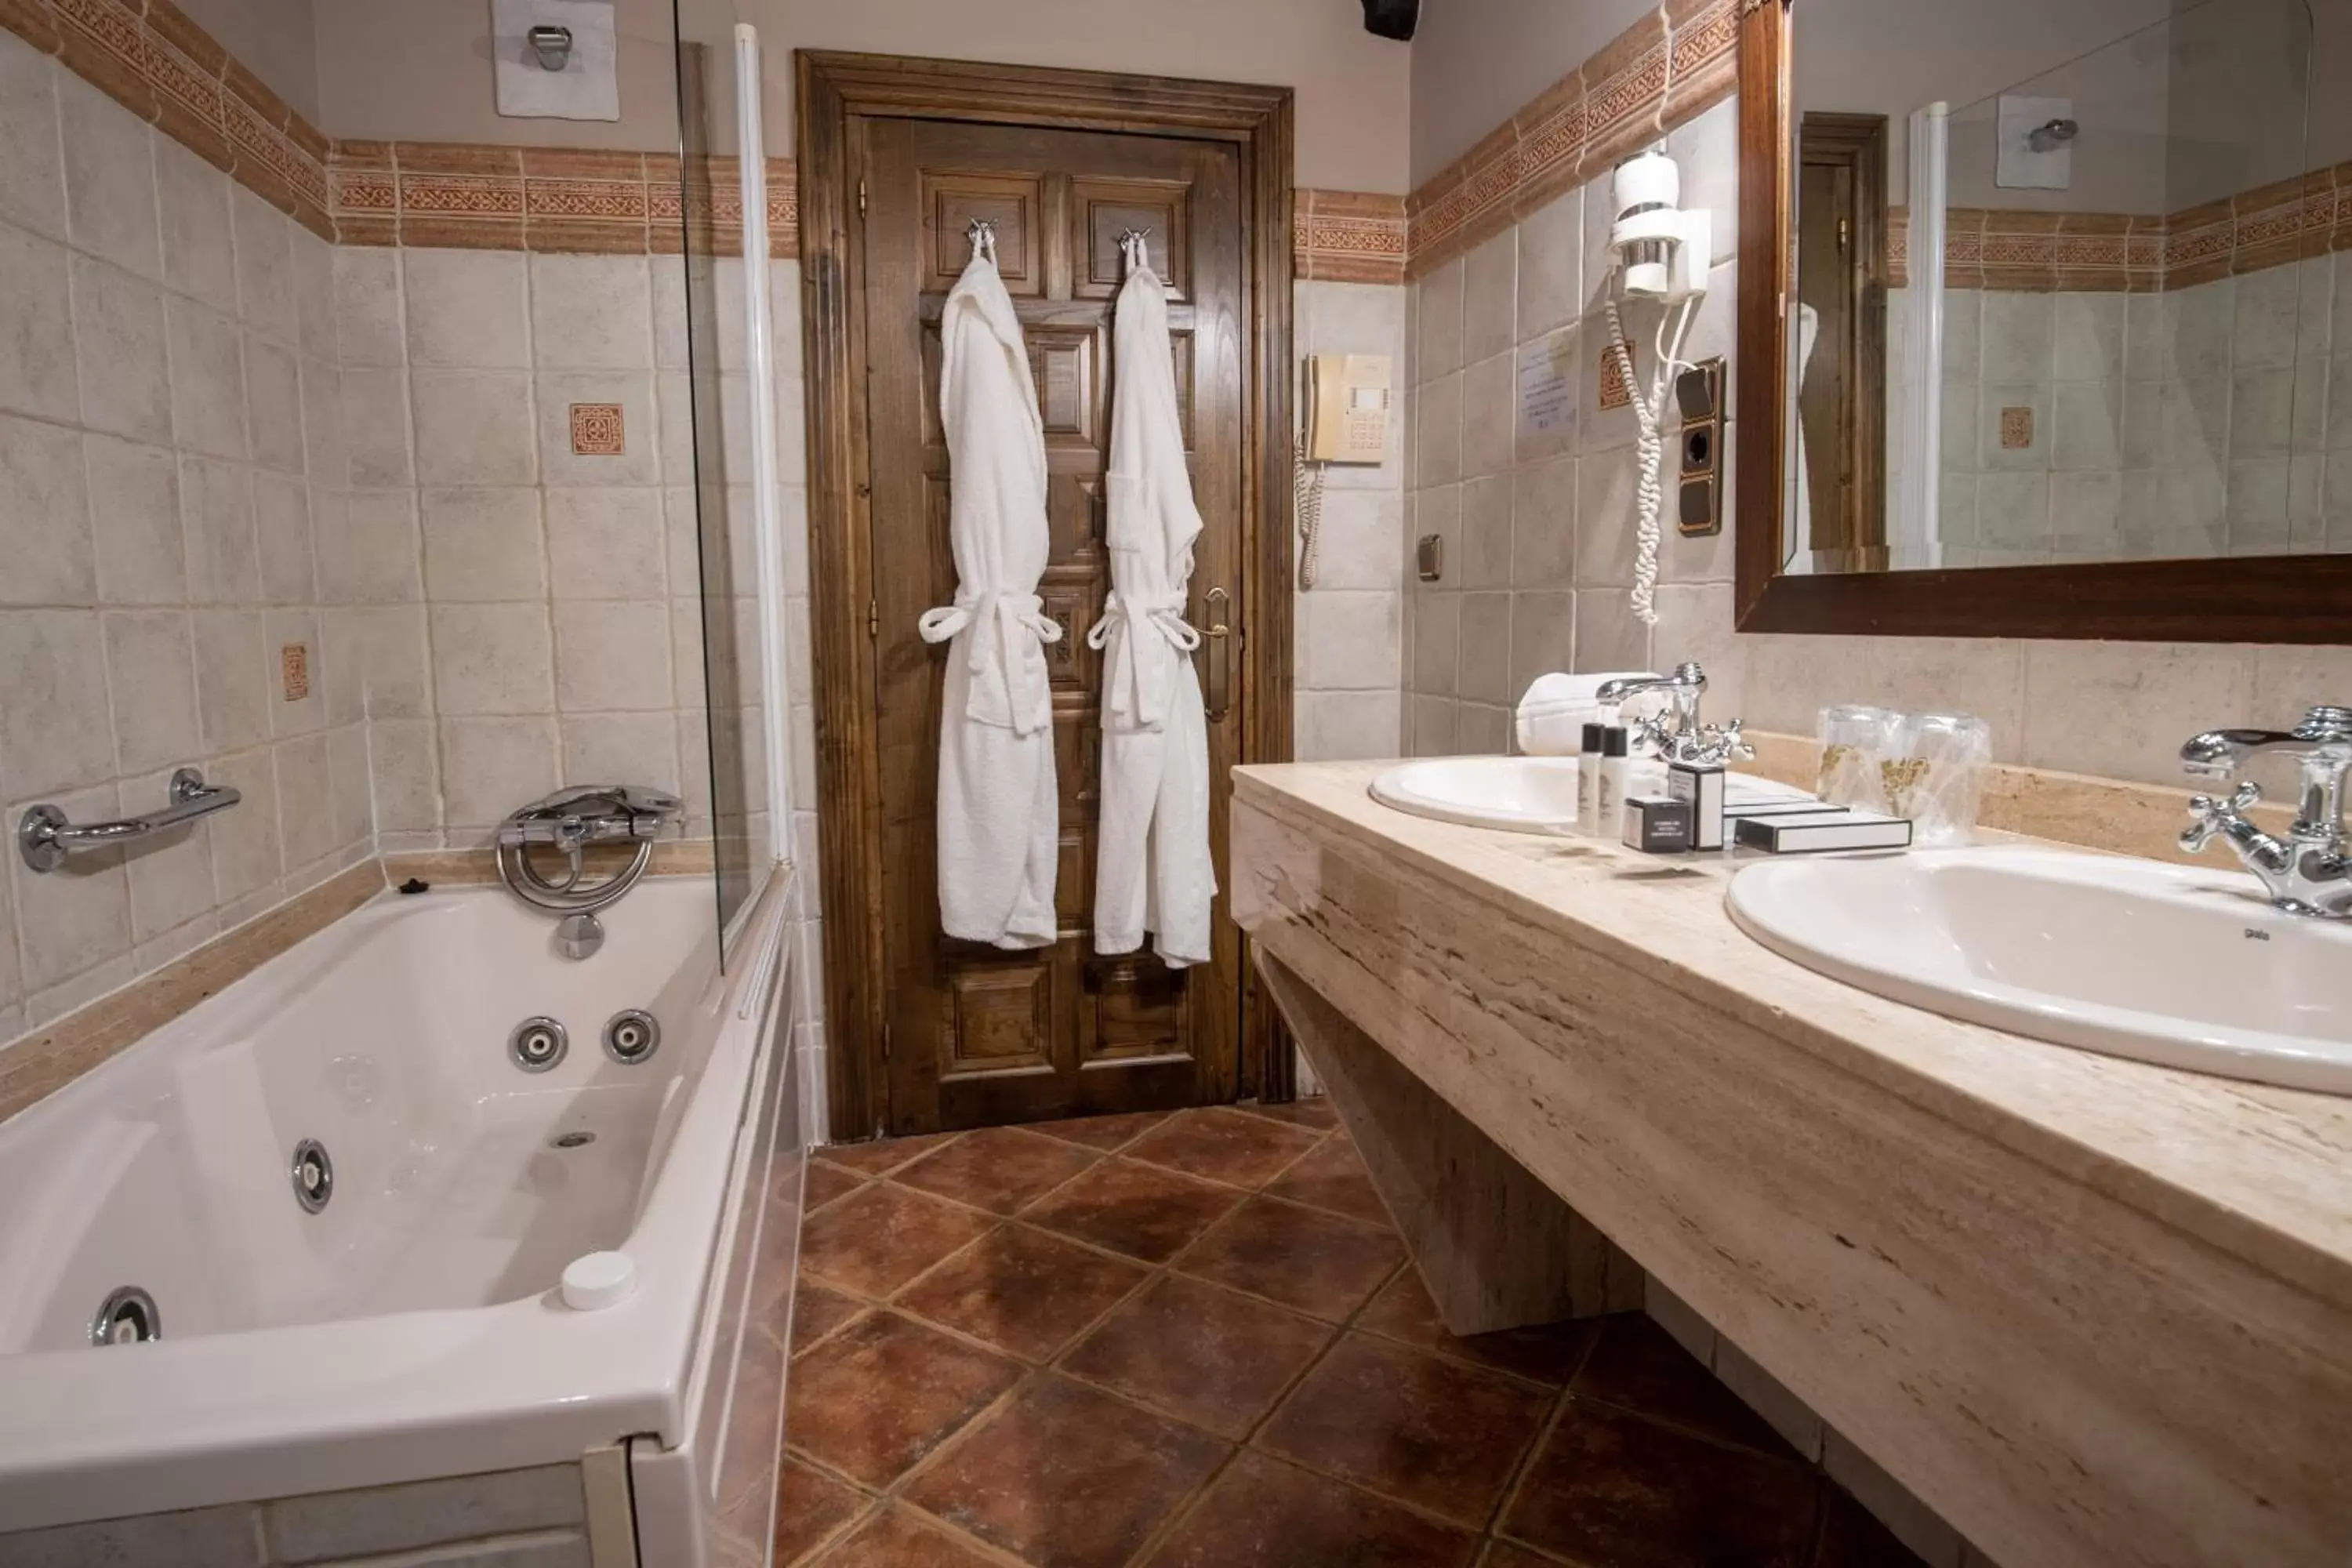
x,y
573,1140
127,1317
313,1175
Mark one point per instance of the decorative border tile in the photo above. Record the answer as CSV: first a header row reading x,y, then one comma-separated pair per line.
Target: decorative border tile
x,y
1666,69
1348,236
2137,253
150,58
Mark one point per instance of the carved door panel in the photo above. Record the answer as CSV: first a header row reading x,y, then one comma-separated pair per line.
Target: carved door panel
x,y
977,1036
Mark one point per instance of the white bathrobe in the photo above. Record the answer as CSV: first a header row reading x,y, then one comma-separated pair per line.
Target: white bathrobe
x,y
999,827
1153,872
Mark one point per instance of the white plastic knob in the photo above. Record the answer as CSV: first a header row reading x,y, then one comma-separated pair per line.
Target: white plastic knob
x,y
595,1280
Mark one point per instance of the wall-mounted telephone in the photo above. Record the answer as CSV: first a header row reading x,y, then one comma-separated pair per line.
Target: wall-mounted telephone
x,y
1346,408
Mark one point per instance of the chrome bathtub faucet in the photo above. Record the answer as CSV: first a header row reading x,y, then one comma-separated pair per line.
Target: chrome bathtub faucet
x,y
2306,872
567,822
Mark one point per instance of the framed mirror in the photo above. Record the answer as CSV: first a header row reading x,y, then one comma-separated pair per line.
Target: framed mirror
x,y
2062,330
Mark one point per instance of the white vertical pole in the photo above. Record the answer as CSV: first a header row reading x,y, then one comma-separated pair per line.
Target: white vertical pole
x,y
1923,433
775,702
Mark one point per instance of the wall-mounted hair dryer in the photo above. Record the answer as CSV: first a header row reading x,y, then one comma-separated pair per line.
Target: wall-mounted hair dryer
x,y
1662,252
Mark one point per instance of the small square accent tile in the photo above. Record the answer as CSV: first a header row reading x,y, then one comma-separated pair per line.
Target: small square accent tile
x,y
2016,430
294,670
885,1391
1137,1209
1613,1488
1224,1146
1315,1262
597,430
1409,1426
871,1243
1065,1476
1264,1513
1021,1291
1003,1169
1214,1358
1616,392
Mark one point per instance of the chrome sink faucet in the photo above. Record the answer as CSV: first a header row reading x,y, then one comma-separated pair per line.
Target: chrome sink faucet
x,y
1679,737
2308,872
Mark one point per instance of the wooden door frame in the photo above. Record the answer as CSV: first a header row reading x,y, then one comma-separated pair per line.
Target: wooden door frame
x,y
832,89
1857,143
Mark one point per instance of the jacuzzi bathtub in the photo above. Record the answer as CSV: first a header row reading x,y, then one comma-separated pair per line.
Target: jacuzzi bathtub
x,y
411,1328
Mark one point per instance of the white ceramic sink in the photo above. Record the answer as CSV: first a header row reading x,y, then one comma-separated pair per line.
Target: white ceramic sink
x,y
2172,964
1522,794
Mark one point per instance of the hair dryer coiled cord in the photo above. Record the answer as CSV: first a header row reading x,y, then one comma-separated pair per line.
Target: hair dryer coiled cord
x,y
1649,447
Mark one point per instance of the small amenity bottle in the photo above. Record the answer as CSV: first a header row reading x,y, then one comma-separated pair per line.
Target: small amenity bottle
x,y
1588,780
1616,774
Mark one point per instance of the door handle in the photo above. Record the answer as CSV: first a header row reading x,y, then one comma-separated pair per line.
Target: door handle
x,y
1220,638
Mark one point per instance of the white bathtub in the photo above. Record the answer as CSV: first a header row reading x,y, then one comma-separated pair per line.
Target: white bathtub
x,y
411,1328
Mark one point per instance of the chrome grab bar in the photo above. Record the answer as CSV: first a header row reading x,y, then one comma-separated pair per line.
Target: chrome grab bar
x,y
45,838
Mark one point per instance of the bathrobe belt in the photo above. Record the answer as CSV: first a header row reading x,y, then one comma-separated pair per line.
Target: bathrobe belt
x,y
1009,688
1135,690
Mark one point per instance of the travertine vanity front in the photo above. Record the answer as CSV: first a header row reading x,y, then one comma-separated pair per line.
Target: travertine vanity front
x,y
2089,1310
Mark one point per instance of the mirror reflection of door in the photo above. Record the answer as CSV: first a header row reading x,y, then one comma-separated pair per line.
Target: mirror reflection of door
x,y
1841,271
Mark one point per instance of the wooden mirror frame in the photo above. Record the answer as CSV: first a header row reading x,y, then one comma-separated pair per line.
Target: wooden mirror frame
x,y
2255,599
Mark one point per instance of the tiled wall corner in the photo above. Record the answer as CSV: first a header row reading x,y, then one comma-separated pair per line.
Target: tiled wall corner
x,y
1533,505
173,353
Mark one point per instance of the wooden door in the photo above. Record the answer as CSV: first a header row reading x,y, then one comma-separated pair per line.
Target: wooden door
x,y
1841,275
976,1035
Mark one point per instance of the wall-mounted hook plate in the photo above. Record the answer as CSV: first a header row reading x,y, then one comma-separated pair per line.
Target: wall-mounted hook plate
x,y
551,44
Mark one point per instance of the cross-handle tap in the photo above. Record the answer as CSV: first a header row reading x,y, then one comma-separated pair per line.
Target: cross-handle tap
x,y
1678,736
2306,872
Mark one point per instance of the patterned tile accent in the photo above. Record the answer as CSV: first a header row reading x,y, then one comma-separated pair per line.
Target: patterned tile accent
x,y
597,430
2137,253
150,58
1348,236
1666,69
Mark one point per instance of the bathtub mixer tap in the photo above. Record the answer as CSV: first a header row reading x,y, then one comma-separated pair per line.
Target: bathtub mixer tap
x,y
567,822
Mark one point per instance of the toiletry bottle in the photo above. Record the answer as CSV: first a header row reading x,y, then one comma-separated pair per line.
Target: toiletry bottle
x,y
1616,774
1702,785
1588,782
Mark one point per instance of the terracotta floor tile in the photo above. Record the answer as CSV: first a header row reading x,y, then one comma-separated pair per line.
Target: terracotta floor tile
x,y
810,1506
901,1538
826,1183
1502,1554
1140,1210
817,1311
1262,1513
1636,1365
1065,1476
1317,1112
1615,1489
883,1154
884,1391
1021,1290
1332,1176
1002,1168
1316,1262
1224,1146
875,1241
1852,1538
1410,1426
1103,1133
1550,1354
1214,1358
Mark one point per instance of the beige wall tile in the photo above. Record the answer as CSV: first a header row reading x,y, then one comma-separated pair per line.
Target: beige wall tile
x,y
467,309
1490,297
612,656
484,544
491,658
1433,726
1550,265
44,527
37,344
370,551
208,412
170,876
218,522
32,172
121,362
606,543
1484,663
314,294
78,917
621,748
50,737
264,267
1480,731
246,855
1436,645
232,689
474,427
150,659
1437,431
1363,536
306,795
1348,641
281,537
1437,316
1608,635
1481,556
1489,407
1548,426
2122,710
371,323
110,166
134,503
405,765
1543,524
491,766
352,788
1543,636
592,312
1337,726
1607,501
638,464
273,396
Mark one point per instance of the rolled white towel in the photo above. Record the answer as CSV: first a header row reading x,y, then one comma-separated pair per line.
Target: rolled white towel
x,y
1555,709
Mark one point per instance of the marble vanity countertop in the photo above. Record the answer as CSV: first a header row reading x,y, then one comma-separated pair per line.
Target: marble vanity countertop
x,y
2262,1175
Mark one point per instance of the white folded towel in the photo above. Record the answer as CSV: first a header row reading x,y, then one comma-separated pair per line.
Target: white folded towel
x,y
1557,708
